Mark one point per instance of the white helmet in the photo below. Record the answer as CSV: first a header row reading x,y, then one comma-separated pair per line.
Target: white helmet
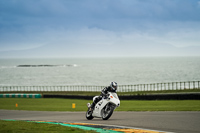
x,y
113,85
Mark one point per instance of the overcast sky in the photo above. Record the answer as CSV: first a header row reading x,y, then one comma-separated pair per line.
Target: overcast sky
x,y
27,24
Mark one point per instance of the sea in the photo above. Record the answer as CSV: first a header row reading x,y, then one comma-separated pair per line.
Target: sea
x,y
98,71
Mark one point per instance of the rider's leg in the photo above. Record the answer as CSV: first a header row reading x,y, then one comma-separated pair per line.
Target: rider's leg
x,y
92,105
96,100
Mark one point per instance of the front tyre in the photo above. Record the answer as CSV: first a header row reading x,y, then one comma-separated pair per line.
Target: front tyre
x,y
89,115
107,112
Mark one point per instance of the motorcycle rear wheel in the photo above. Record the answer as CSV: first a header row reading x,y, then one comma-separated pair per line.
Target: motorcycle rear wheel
x,y
89,115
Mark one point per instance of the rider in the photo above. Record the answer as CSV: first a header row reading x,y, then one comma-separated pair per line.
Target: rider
x,y
104,92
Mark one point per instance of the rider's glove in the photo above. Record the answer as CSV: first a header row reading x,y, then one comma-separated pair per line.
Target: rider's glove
x,y
106,96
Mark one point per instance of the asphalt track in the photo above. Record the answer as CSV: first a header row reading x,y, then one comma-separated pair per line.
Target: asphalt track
x,y
179,122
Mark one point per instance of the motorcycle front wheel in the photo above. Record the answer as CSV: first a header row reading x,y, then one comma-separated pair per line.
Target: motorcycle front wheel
x,y
106,113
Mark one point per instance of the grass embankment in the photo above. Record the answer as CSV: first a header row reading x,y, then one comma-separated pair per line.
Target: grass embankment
x,y
55,104
31,127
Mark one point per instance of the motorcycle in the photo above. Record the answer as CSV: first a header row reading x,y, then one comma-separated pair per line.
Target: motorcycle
x,y
104,108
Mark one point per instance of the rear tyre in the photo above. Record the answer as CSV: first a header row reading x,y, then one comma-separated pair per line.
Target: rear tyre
x,y
89,115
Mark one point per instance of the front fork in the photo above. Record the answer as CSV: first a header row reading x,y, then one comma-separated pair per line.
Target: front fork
x,y
109,106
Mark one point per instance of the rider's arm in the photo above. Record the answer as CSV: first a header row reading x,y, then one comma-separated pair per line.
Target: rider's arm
x,y
104,91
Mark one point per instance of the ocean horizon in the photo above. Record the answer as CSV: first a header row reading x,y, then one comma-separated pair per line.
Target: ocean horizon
x,y
97,70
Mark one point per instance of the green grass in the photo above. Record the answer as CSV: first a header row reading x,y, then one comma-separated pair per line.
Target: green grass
x,y
43,104
54,104
31,127
160,105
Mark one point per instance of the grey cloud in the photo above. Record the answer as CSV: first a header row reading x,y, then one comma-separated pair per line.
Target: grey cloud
x,y
41,22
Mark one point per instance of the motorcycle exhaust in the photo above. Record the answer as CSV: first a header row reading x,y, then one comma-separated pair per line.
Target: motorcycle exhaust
x,y
88,105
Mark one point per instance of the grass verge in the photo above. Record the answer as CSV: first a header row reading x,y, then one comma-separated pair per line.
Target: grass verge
x,y
31,127
54,104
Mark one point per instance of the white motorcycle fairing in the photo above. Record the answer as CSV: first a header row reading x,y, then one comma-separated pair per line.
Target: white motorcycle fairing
x,y
104,106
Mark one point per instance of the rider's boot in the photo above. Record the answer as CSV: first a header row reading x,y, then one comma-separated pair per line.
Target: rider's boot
x,y
92,106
